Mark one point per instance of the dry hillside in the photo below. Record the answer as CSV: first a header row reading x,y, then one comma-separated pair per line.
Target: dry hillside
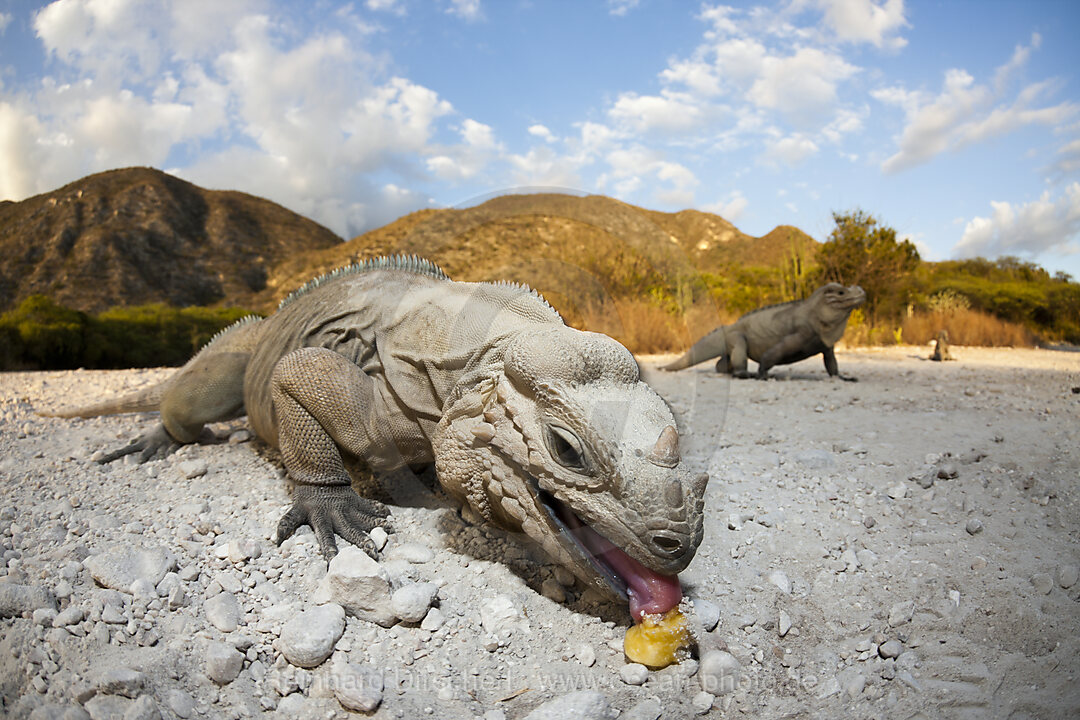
x,y
577,251
138,235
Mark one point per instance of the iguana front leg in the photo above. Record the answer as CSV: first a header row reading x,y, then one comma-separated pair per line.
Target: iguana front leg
x,y
832,368
323,403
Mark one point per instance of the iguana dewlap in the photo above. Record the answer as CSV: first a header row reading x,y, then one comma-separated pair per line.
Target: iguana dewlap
x,y
779,334
538,427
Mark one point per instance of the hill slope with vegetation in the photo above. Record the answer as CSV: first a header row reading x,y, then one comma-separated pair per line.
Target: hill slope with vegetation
x,y
138,235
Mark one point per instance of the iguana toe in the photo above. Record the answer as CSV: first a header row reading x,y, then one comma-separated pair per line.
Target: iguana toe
x,y
148,445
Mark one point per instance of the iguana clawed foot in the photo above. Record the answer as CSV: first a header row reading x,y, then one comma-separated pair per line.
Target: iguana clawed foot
x,y
148,445
330,509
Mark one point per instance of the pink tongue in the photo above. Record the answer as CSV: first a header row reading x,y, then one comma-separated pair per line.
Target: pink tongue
x,y
649,591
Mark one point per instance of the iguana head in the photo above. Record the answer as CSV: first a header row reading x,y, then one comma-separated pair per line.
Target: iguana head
x,y
839,300
832,305
566,444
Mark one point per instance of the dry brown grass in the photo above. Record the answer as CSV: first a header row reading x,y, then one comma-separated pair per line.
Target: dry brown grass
x,y
639,325
644,328
966,327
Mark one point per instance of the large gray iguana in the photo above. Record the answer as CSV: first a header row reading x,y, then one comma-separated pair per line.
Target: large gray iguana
x,y
779,334
538,427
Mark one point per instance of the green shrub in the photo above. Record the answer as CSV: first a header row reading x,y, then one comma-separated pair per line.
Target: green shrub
x,y
41,334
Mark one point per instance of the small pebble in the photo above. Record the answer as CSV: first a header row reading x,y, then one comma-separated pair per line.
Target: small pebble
x,y
1043,583
192,469
411,602
780,579
634,674
379,537
702,702
718,672
223,662
901,613
784,624
708,613
1067,576
890,649
974,526
586,655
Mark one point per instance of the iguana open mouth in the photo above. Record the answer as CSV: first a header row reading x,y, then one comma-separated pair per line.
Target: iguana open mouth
x,y
647,591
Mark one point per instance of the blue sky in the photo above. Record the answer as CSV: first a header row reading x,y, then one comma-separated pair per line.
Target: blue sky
x,y
957,123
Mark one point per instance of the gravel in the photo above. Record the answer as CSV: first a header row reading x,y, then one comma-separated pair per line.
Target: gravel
x,y
828,579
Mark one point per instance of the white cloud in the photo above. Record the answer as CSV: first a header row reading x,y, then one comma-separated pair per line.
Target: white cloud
x,y
730,208
844,123
397,7
465,9
19,132
865,21
5,20
965,112
542,166
629,165
1043,225
792,150
542,132
667,112
621,7
803,86
466,161
1068,159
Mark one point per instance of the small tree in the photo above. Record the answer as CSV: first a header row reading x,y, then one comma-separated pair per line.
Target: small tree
x,y
861,251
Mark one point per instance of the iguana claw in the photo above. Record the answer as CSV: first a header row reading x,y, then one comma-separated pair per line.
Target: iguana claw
x,y
147,445
330,509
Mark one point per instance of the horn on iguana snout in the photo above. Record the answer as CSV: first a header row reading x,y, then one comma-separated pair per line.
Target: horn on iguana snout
x,y
697,489
666,451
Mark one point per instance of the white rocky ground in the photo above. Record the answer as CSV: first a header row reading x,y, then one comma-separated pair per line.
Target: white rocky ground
x,y
904,546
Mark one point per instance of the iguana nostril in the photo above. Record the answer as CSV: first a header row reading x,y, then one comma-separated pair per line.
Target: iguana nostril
x,y
667,544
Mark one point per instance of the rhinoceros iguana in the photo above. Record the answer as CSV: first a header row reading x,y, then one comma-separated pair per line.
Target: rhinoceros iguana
x,y
538,427
779,334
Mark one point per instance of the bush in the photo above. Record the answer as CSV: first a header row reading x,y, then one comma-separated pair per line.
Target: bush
x,y
39,334
49,336
966,327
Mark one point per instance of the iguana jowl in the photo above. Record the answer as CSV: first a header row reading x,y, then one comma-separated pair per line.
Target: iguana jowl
x,y
538,427
779,334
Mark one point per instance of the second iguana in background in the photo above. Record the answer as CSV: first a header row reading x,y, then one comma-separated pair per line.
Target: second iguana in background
x,y
779,334
538,427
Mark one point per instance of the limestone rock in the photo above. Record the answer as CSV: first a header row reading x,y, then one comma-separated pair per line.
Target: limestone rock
x,y
223,662
359,585
309,638
122,565
581,705
411,602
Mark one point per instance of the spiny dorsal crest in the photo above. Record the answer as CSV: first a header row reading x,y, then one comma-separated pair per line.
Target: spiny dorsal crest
x,y
405,263
246,320
522,287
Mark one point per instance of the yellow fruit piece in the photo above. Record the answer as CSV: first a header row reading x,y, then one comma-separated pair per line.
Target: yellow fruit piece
x,y
657,640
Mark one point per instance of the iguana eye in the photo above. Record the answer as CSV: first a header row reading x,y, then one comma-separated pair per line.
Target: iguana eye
x,y
565,447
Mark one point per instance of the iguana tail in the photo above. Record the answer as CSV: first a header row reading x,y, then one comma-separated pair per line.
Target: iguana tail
x,y
145,400
712,345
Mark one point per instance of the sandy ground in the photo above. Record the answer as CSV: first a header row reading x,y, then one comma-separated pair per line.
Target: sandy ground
x,y
903,546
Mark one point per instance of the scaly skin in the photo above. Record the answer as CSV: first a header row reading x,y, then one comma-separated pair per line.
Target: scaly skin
x,y
392,362
779,334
